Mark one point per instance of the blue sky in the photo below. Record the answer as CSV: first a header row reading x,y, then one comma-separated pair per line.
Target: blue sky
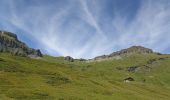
x,y
88,28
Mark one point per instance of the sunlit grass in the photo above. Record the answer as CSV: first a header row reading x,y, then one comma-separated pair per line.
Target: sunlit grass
x,y
53,78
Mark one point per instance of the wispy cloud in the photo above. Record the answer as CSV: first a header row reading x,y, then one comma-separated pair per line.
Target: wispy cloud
x,y
90,19
81,28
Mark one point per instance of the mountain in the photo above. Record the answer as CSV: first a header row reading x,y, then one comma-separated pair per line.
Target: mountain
x,y
135,77
139,74
126,52
10,43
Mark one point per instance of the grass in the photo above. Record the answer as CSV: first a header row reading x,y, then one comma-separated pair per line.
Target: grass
x,y
53,78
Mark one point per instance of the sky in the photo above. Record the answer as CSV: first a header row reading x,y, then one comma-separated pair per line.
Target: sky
x,y
88,28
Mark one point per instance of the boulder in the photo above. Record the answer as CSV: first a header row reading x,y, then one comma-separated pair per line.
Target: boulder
x,y
132,69
68,58
128,79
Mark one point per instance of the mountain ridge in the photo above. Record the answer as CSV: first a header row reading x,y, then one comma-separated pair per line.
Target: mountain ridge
x,y
126,52
9,43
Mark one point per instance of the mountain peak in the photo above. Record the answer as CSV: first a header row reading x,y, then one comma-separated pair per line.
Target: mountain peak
x,y
9,34
128,51
10,43
133,49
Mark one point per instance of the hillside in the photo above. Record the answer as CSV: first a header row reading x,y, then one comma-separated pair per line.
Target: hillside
x,y
53,78
140,74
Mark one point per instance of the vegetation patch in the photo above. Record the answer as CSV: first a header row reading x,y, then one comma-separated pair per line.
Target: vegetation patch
x,y
27,94
56,80
2,60
42,95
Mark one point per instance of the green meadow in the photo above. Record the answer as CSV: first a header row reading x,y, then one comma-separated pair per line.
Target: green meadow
x,y
53,78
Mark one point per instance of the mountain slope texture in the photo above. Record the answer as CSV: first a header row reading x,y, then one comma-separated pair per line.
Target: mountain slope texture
x,y
138,74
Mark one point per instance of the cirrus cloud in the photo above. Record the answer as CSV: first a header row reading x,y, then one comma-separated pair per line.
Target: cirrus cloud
x,y
87,28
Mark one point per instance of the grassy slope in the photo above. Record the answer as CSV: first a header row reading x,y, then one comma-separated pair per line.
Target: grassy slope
x,y
53,78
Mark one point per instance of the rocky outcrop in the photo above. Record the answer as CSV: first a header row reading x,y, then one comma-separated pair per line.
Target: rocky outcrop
x,y
68,58
132,69
133,49
9,43
128,51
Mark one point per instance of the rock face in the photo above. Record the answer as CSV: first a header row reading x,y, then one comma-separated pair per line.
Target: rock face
x,y
68,58
131,50
10,43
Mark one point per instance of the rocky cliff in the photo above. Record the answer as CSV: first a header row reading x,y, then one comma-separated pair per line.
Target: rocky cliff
x,y
10,43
